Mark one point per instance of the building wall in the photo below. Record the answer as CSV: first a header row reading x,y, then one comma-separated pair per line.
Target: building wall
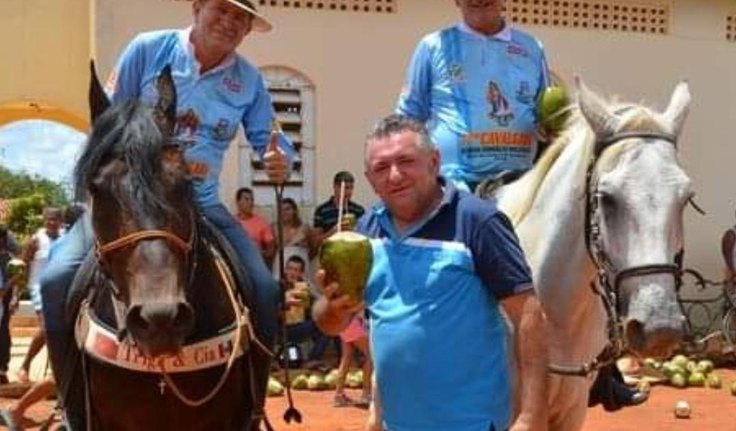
x,y
45,52
357,62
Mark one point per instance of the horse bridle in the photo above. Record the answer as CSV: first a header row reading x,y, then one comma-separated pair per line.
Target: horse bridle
x,y
135,237
185,247
605,269
103,251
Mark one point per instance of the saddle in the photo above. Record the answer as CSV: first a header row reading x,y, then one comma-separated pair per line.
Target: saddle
x,y
91,279
488,187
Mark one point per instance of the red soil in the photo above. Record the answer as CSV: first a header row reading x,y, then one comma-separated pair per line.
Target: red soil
x,y
712,410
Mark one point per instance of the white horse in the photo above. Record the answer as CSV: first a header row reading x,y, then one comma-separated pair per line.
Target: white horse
x,y
606,198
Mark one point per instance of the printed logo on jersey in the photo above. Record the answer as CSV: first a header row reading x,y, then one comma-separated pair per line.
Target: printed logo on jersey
x,y
524,93
187,123
198,170
222,130
457,76
499,109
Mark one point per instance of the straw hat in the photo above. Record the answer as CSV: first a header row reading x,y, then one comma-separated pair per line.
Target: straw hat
x,y
260,23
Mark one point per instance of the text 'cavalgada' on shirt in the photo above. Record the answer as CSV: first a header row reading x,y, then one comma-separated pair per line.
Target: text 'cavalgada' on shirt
x,y
210,106
478,96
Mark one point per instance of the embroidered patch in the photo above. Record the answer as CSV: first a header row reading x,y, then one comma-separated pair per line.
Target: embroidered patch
x,y
517,50
232,85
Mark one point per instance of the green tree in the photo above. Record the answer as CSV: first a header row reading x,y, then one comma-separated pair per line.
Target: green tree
x,y
14,185
27,196
25,214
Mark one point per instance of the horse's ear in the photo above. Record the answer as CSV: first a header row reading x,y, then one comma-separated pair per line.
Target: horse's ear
x,y
166,105
678,108
595,111
98,101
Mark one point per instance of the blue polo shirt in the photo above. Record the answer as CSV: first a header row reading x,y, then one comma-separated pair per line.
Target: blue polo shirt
x,y
438,338
478,95
210,106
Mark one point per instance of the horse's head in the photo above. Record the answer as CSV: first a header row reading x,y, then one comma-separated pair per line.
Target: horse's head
x,y
637,192
142,214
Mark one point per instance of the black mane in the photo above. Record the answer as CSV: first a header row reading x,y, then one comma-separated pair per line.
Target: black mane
x,y
128,132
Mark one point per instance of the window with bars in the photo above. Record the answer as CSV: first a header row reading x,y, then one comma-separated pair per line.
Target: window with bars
x,y
731,27
292,95
595,15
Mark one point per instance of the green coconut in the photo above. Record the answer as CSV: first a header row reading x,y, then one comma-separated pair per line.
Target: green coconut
x,y
551,108
275,388
299,383
346,258
15,267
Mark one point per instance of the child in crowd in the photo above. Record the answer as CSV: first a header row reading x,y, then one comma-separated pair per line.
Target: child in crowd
x,y
355,336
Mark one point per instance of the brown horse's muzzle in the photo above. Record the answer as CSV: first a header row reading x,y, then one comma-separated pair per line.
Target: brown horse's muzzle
x,y
160,328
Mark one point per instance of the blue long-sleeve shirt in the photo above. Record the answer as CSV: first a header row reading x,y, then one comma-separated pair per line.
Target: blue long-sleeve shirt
x,y
210,106
478,96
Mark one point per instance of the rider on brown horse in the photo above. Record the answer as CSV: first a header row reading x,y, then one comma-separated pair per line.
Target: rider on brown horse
x,y
223,91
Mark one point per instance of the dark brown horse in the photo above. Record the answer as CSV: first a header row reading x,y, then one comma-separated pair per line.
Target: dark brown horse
x,y
166,340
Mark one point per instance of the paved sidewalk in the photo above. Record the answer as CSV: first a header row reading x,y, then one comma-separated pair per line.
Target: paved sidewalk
x,y
23,325
39,366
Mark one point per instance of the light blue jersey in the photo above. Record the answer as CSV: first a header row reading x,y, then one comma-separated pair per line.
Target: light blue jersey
x,y
478,96
210,106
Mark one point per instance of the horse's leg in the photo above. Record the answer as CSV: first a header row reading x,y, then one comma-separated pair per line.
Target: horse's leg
x,y
573,405
261,367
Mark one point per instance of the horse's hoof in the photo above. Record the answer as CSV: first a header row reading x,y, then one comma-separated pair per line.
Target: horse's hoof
x,y
636,398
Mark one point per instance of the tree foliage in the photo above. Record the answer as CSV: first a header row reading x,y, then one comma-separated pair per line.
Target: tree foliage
x,y
14,185
27,195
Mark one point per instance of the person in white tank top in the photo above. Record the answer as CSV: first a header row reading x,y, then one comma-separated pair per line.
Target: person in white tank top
x,y
36,256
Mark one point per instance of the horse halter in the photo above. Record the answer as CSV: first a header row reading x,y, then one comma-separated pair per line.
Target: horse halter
x,y
135,237
102,251
605,269
592,229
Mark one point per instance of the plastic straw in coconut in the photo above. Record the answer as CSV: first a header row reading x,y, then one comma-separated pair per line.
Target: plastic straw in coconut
x,y
341,203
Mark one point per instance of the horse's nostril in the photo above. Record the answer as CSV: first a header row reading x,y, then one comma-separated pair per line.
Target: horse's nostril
x,y
153,319
135,320
184,319
634,332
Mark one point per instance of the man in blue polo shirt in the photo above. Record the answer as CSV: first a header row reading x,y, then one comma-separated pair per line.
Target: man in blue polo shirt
x,y
476,86
444,265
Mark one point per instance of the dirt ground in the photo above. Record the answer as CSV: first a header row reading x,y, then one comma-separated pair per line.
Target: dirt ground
x,y
712,410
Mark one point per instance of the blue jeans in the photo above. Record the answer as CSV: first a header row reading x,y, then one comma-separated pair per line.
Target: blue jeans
x,y
266,293
69,252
